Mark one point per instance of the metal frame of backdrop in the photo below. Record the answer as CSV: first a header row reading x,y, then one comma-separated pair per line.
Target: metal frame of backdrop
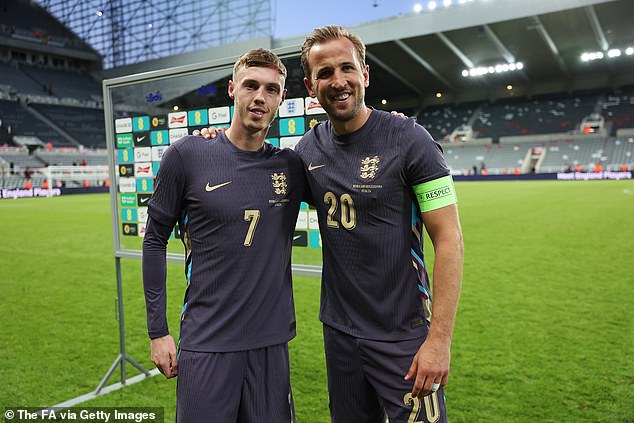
x,y
125,253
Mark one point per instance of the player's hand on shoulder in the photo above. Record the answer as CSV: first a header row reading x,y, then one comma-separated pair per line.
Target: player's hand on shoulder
x,y
398,114
209,133
163,352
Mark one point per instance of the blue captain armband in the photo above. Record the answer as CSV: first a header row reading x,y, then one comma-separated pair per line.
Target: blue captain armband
x,y
436,194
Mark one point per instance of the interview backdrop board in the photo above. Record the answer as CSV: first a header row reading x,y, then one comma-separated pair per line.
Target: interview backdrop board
x,y
146,112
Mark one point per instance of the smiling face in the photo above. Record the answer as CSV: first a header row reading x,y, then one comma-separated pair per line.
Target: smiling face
x,y
338,79
258,92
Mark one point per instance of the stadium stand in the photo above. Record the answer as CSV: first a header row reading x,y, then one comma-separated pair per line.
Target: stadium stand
x,y
559,155
56,100
84,124
20,158
620,152
441,121
26,21
69,157
617,109
21,122
17,82
461,157
544,115
63,83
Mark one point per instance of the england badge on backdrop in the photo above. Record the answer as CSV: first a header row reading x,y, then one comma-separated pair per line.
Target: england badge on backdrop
x,y
292,107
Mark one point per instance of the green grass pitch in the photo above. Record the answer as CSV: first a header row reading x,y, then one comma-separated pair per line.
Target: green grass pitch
x,y
545,327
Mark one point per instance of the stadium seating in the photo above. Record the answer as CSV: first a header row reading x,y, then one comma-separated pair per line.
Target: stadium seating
x,y
23,123
620,152
18,81
58,157
617,109
561,154
543,115
63,83
20,158
461,157
441,121
27,21
86,125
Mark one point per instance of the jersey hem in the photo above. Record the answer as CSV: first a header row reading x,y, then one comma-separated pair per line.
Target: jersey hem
x,y
355,334
236,348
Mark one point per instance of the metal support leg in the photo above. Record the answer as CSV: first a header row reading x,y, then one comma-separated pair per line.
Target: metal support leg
x,y
123,357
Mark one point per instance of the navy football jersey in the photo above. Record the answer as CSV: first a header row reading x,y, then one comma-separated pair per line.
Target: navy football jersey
x,y
237,212
374,283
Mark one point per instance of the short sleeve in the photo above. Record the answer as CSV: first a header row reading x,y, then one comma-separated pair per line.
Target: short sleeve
x,y
422,156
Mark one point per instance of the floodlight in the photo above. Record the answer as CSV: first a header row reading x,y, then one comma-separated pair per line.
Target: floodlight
x,y
615,52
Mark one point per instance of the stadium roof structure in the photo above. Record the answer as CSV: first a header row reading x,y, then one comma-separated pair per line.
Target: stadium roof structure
x,y
511,47
129,31
412,58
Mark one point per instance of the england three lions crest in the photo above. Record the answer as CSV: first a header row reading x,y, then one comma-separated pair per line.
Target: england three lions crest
x,y
369,167
280,184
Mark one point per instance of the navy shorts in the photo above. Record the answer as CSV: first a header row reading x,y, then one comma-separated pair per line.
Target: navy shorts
x,y
235,387
365,381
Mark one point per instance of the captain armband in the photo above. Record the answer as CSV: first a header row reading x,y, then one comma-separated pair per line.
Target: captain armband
x,y
436,194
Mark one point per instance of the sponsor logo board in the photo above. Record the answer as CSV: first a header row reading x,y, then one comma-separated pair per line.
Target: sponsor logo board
x,y
127,185
144,184
219,115
129,229
124,140
302,220
292,126
177,120
143,169
140,123
143,154
176,134
122,125
289,142
197,117
313,107
157,153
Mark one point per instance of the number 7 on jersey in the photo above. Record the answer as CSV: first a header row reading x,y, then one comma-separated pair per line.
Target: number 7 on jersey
x,y
254,217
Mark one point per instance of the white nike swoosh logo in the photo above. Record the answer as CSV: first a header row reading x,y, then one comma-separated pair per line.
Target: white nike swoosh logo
x,y
209,189
143,200
311,167
139,139
296,237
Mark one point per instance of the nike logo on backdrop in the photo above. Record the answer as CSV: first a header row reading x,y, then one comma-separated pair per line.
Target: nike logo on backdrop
x,y
139,139
144,200
209,189
311,167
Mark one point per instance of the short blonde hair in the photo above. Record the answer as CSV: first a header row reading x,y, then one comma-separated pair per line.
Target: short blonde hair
x,y
260,57
329,33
